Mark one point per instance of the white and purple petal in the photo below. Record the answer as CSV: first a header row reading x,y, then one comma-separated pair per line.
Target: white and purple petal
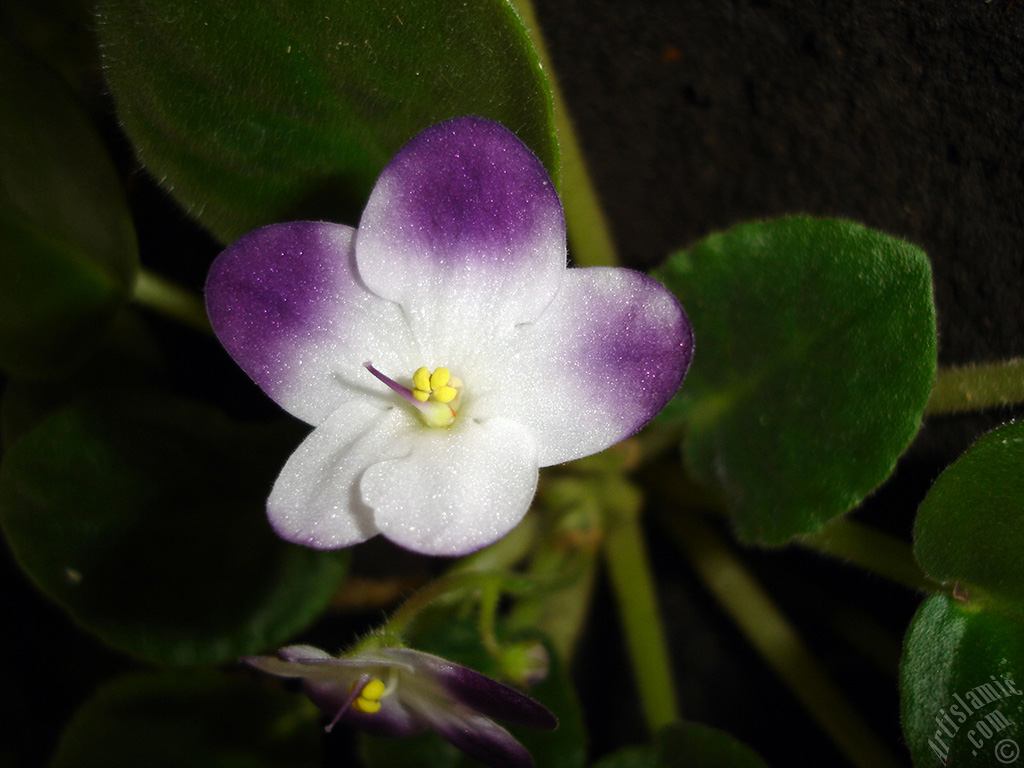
x,y
286,303
463,227
457,490
605,357
476,691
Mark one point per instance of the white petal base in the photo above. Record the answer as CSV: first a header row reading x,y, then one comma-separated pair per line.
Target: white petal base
x,y
316,500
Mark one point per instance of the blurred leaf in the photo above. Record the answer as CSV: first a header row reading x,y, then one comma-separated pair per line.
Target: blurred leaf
x,y
251,113
59,32
682,745
645,756
689,744
815,358
970,528
127,354
457,639
143,516
961,685
426,749
68,245
188,719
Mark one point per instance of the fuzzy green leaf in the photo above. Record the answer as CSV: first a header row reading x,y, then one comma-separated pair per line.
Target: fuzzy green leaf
x,y
970,527
177,719
254,113
143,516
681,745
962,685
815,356
69,255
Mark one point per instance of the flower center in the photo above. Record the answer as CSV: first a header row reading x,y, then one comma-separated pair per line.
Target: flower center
x,y
435,395
368,700
439,385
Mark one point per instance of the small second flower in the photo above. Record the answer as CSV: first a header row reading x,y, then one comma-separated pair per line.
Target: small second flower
x,y
401,692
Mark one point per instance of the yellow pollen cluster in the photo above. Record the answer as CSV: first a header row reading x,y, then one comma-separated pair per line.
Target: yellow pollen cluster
x,y
368,700
438,385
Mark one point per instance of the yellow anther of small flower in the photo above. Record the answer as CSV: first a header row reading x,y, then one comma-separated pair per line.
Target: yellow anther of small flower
x,y
420,395
368,700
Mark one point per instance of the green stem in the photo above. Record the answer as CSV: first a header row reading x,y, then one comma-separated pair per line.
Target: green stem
x,y
842,538
872,550
488,618
768,630
977,387
630,574
452,584
448,585
589,233
168,298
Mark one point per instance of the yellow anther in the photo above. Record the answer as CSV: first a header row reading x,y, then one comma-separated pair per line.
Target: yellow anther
x,y
368,700
439,379
436,394
422,379
366,706
445,394
373,690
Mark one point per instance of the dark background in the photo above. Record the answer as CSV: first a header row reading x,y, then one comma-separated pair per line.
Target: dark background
x,y
695,115
906,116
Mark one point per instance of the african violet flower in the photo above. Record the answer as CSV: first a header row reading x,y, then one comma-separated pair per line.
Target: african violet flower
x,y
442,350
401,692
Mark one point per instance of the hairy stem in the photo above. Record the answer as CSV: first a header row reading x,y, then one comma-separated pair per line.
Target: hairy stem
x,y
488,618
629,571
168,298
589,233
977,387
872,550
449,585
774,638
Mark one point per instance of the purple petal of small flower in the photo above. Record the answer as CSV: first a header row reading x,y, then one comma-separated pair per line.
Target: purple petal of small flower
x,y
458,490
608,354
477,691
310,664
305,661
304,654
315,500
463,226
480,738
393,720
328,682
287,305
274,666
